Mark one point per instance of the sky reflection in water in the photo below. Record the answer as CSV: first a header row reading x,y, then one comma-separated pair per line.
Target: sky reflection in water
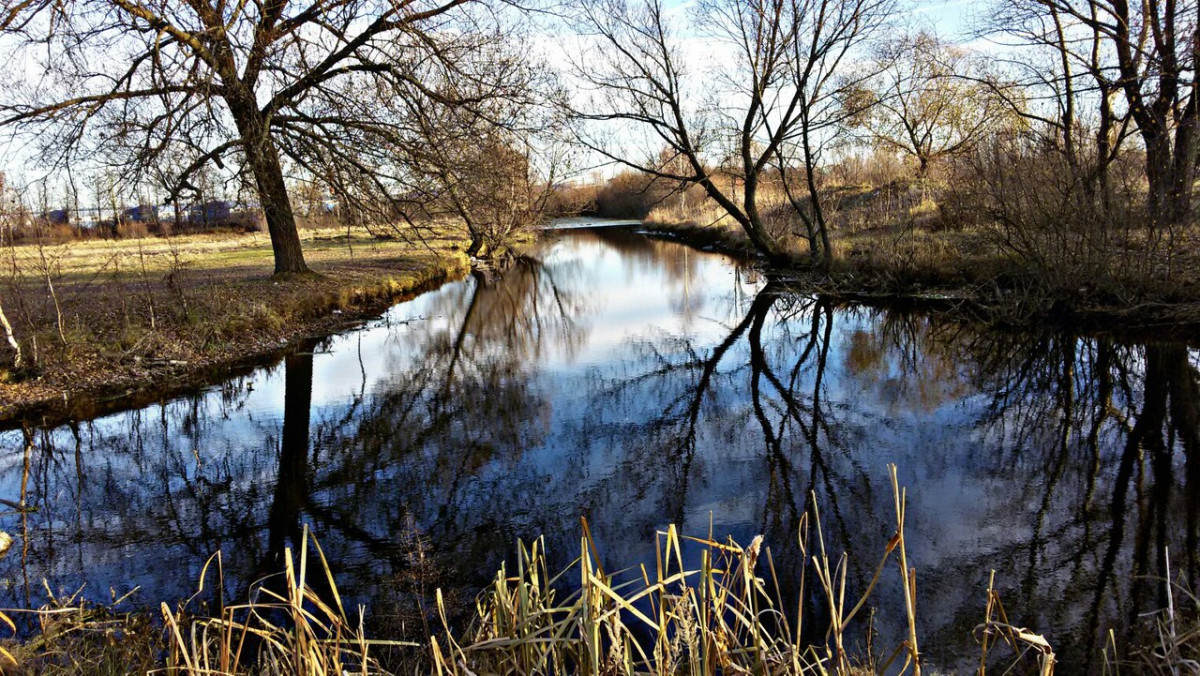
x,y
638,383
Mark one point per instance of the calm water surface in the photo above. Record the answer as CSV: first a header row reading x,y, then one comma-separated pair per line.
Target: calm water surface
x,y
637,383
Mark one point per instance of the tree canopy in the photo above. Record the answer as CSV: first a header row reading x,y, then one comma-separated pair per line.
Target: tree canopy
x,y
249,85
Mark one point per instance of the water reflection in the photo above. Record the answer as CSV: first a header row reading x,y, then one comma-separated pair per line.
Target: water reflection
x,y
637,383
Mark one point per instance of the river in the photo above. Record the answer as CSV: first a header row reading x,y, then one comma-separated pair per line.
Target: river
x,y
638,383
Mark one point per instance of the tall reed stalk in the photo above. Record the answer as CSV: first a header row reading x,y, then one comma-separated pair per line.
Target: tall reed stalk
x,y
291,629
721,612
724,616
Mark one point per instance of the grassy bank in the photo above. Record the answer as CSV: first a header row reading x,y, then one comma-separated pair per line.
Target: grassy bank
x,y
906,240
99,319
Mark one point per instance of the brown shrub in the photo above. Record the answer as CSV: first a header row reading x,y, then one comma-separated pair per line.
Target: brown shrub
x,y
1058,220
570,200
132,229
632,195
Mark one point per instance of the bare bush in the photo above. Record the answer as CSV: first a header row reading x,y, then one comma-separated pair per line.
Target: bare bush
x,y
1061,233
874,168
572,200
632,194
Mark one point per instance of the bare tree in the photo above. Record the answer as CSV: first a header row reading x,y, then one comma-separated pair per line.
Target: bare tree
x,y
493,183
1145,52
491,163
927,99
768,103
1063,84
252,83
472,134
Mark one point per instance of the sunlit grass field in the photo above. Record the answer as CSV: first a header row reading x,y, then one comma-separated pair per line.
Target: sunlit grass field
x,y
102,313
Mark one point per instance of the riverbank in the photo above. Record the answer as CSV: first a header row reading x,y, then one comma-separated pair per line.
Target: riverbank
x,y
561,388
139,319
968,274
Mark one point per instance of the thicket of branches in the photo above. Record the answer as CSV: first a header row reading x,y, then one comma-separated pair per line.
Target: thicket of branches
x,y
269,92
1073,135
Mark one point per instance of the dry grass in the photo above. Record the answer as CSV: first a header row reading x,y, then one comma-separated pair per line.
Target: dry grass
x,y
108,315
73,636
893,233
725,616
884,240
1176,650
898,239
700,221
289,630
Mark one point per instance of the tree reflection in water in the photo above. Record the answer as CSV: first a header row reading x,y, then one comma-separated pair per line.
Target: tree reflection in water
x,y
1107,434
637,383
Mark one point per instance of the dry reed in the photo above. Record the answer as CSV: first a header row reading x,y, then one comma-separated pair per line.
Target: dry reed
x,y
725,615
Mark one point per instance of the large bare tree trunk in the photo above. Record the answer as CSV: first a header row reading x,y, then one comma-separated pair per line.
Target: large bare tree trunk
x,y
1167,120
1168,173
263,157
752,224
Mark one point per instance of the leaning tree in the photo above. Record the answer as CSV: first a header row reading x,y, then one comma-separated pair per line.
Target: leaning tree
x,y
476,136
764,104
250,86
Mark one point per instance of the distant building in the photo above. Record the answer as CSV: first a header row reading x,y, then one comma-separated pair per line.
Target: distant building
x,y
143,213
214,212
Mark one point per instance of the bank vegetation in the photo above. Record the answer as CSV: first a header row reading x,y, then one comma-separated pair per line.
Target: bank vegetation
x,y
1052,169
139,318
